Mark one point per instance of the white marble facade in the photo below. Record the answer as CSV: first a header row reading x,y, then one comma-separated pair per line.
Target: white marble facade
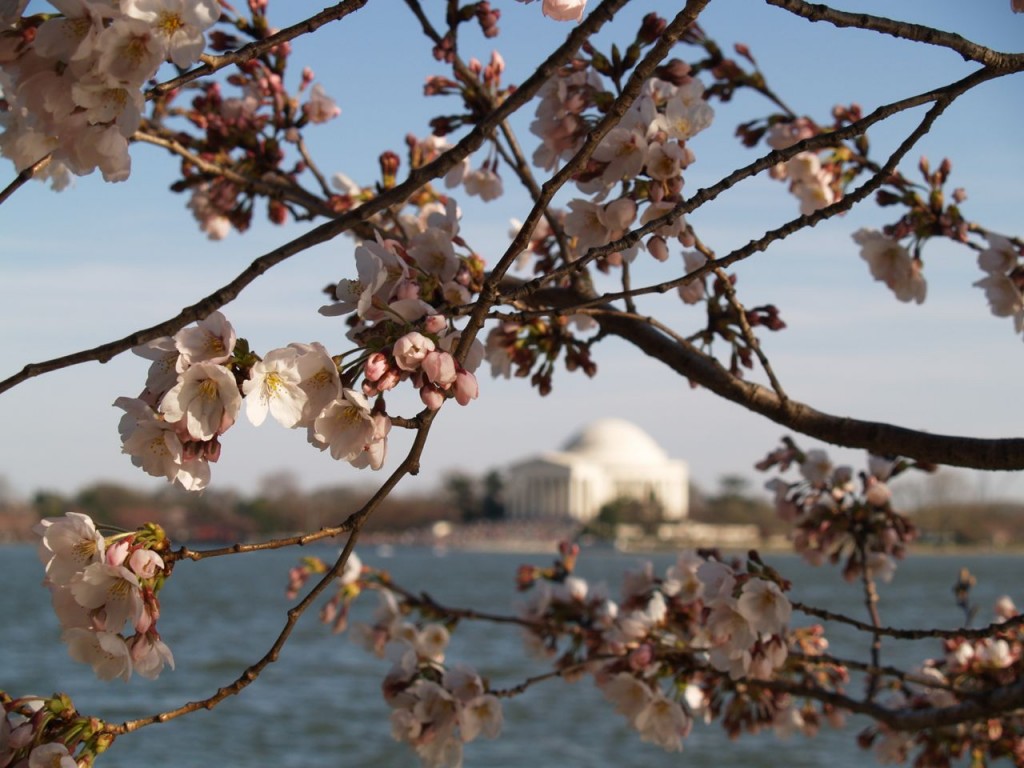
x,y
610,459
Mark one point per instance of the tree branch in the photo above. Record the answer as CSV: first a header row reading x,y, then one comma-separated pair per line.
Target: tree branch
x,y
327,231
903,30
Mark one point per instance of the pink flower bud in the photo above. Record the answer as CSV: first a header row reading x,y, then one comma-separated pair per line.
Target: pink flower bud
x,y
658,248
466,387
440,369
116,553
376,366
432,397
389,380
435,323
410,350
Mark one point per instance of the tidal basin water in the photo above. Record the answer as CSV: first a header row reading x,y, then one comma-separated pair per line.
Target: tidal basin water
x,y
320,705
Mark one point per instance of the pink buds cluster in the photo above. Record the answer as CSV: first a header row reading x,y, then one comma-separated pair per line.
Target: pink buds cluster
x,y
838,516
37,731
101,584
702,626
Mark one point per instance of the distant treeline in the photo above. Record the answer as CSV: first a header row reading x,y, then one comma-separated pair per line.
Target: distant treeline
x,y
278,505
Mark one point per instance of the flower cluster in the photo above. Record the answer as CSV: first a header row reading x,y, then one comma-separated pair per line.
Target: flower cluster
x,y
349,586
246,125
967,668
73,81
813,183
674,646
838,515
195,390
892,264
38,732
400,297
101,584
435,709
646,152
1004,278
191,397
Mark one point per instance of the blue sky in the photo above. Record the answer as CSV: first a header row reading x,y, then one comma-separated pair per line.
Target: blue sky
x,y
99,261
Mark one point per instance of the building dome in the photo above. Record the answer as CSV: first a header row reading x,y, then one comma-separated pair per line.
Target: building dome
x,y
616,441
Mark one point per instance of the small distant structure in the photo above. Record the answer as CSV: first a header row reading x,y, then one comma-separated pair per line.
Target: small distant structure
x,y
610,460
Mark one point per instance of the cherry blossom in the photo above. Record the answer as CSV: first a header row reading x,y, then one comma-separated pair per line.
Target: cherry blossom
x,y
562,10
763,605
211,340
113,588
1004,298
106,652
69,544
275,386
346,426
892,264
179,24
411,349
149,439
205,400
663,722
52,755
320,108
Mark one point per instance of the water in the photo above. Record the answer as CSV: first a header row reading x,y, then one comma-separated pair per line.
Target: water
x,y
320,706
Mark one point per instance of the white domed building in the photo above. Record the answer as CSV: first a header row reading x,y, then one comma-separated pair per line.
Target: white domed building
x,y
611,459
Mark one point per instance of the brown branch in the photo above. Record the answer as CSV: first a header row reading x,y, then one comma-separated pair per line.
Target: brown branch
x,y
878,437
513,156
253,671
271,188
684,358
409,466
748,333
707,194
184,553
325,232
995,702
904,30
912,634
424,602
24,177
871,603
489,294
257,48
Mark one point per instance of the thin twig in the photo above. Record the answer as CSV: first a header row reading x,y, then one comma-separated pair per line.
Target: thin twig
x,y
913,634
748,333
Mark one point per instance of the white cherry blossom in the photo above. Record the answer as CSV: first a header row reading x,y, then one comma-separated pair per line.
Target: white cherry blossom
x,y
482,715
51,755
178,24
205,400
275,386
212,339
1001,256
663,722
150,440
764,606
106,652
345,426
891,264
113,588
69,544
